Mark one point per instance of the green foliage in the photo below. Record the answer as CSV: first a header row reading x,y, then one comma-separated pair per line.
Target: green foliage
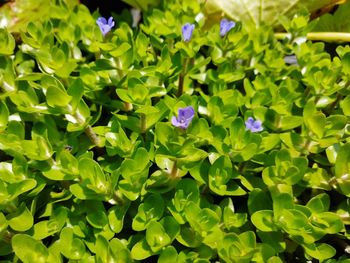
x,y
267,11
336,22
92,169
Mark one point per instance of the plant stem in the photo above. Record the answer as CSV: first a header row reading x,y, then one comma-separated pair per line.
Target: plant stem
x,y
174,171
88,130
92,136
118,198
143,122
127,105
320,36
181,78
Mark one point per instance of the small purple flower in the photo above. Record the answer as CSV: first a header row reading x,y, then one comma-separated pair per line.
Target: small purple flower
x,y
226,26
104,25
253,126
291,60
184,118
187,30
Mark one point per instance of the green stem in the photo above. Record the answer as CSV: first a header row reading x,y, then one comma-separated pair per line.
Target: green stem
x,y
174,171
118,198
88,130
127,105
181,78
320,36
92,136
143,122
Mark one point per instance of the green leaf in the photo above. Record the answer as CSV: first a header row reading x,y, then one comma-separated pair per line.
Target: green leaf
x,y
21,220
201,219
119,248
151,209
124,47
7,42
259,200
18,188
319,203
135,172
231,219
105,64
56,97
342,168
3,222
237,248
101,247
345,103
328,221
290,122
263,220
4,115
47,228
96,215
116,217
92,174
141,250
292,219
269,142
76,92
161,182
28,249
282,202
5,248
274,259
274,239
186,191
317,124
220,174
319,251
256,12
71,247
171,226
156,236
168,255
335,21
189,237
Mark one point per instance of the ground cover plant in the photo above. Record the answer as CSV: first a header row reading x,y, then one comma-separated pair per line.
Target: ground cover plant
x,y
185,138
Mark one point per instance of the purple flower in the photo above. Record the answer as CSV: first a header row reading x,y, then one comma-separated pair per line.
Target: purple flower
x,y
184,118
253,126
226,26
187,30
104,25
291,60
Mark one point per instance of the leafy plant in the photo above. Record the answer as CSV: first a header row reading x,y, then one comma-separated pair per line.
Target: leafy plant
x,y
169,143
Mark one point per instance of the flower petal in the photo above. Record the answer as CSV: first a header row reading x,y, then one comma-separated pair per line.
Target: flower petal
x,y
101,21
187,30
226,26
175,122
186,113
111,22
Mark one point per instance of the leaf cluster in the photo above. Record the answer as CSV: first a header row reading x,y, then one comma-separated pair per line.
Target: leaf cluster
x,y
91,169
